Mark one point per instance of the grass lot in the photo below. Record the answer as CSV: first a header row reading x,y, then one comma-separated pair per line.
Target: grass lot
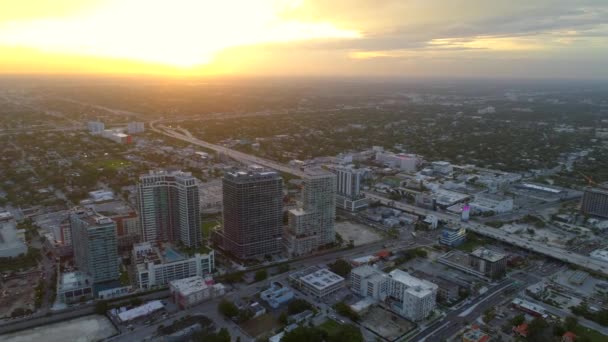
x,y
124,278
330,326
594,336
260,325
207,226
112,164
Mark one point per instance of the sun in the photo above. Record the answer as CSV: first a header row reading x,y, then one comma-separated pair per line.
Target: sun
x,y
179,33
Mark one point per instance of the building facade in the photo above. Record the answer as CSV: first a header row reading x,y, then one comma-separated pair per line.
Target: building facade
x,y
169,208
94,244
409,296
595,202
348,193
453,236
253,213
191,291
313,224
157,265
492,264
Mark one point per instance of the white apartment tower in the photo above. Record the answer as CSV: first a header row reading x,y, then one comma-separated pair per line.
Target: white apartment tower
x,y
312,225
411,297
169,207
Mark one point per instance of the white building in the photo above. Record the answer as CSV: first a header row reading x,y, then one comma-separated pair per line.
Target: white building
x,y
348,194
317,282
95,127
158,265
135,127
402,161
191,291
10,244
442,167
116,136
411,297
491,203
313,224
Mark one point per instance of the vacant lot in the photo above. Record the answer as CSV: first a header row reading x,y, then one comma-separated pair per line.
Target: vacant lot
x,y
260,325
386,324
361,234
84,329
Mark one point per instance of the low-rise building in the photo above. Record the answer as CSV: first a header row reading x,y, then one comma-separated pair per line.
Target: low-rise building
x,y
191,291
411,297
486,203
74,287
475,334
317,282
277,294
491,263
453,236
158,264
10,244
140,311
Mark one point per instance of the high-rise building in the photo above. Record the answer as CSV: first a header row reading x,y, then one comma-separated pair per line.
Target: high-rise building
x,y
595,202
348,194
312,225
135,127
253,213
95,127
169,208
94,244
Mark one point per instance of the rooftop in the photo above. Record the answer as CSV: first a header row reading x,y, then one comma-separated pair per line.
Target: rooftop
x,y
417,287
74,280
190,285
140,311
322,279
488,255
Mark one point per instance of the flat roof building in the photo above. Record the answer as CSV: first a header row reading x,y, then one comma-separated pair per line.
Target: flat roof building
x,y
191,291
72,287
491,263
313,224
411,297
595,202
453,236
318,282
156,265
95,245
169,207
253,213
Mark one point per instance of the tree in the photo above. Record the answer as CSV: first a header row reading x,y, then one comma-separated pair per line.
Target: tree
x,y
298,305
283,318
304,334
101,307
517,320
227,308
346,333
536,329
261,275
570,323
341,267
346,311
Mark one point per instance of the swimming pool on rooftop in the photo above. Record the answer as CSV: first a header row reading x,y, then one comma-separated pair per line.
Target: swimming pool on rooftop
x,y
171,255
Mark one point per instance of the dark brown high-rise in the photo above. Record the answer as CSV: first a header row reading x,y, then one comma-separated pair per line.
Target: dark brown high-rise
x,y
253,213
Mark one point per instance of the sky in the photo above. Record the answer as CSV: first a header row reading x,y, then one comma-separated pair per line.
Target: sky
x,y
387,38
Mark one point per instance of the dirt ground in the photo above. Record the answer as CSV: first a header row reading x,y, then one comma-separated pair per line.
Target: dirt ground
x,y
361,234
260,325
386,324
84,329
18,293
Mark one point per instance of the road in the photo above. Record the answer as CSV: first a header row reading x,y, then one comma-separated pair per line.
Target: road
x,y
553,252
240,156
497,234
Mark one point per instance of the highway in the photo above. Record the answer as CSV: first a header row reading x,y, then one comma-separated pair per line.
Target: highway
x,y
479,228
240,156
497,234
